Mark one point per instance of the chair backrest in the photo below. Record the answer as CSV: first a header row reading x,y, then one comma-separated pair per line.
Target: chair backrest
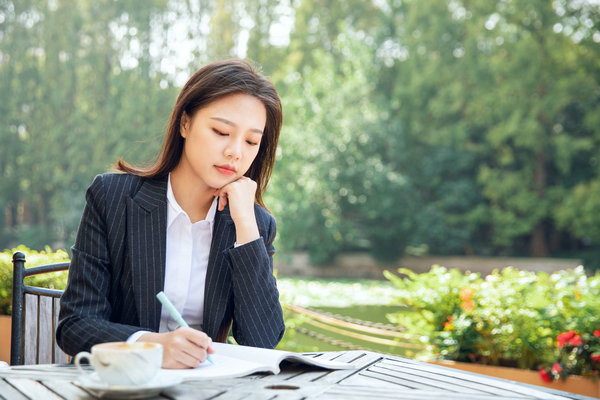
x,y
34,317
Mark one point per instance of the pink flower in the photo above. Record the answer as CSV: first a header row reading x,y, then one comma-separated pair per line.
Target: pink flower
x,y
595,356
575,341
556,369
564,337
545,375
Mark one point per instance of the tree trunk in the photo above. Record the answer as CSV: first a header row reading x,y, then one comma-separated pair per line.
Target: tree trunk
x,y
539,246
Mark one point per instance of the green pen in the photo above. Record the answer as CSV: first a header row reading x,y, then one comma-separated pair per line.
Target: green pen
x,y
176,316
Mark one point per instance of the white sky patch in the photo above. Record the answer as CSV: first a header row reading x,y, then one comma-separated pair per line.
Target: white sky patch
x,y
279,33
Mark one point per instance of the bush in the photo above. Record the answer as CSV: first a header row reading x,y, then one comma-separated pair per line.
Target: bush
x,y
579,354
510,318
54,280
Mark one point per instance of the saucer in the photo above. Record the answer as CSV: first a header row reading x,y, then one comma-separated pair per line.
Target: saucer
x,y
92,383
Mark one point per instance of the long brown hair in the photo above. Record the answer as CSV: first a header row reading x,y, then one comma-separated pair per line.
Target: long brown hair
x,y
208,84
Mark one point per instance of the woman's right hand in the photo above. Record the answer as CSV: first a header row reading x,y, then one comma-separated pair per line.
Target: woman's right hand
x,y
182,348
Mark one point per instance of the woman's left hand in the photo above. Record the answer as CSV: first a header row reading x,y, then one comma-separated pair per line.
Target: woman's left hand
x,y
240,196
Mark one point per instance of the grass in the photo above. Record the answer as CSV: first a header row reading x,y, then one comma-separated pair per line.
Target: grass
x,y
364,300
373,313
334,293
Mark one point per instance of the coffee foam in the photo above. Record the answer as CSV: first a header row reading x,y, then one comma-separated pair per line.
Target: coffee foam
x,y
128,346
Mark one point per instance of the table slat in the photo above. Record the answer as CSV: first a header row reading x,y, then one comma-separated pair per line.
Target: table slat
x,y
449,383
9,392
33,389
66,389
361,392
376,376
365,379
439,381
360,359
496,383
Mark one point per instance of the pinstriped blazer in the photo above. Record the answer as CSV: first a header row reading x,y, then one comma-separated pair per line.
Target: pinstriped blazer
x,y
118,266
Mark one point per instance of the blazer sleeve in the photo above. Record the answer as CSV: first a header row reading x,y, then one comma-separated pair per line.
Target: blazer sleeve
x,y
257,314
85,306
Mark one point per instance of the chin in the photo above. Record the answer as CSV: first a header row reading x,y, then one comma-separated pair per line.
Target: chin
x,y
219,183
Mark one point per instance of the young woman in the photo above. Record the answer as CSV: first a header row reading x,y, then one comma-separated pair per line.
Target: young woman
x,y
193,225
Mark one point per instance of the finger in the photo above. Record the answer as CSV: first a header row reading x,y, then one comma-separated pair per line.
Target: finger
x,y
189,355
222,200
187,360
195,337
177,358
209,348
194,354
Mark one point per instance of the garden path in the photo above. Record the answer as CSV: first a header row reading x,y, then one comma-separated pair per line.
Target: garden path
x,y
362,266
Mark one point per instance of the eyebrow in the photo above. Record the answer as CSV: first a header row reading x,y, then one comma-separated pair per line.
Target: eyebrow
x,y
228,122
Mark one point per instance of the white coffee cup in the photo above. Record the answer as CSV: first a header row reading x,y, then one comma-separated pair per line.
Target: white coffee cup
x,y
123,364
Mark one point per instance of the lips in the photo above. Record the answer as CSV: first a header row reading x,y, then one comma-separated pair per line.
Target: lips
x,y
225,169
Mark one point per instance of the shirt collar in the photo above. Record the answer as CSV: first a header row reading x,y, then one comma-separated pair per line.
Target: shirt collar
x,y
175,210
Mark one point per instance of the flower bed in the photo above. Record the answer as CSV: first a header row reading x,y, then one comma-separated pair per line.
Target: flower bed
x,y
511,318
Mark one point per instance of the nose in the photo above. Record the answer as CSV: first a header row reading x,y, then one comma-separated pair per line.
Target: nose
x,y
234,149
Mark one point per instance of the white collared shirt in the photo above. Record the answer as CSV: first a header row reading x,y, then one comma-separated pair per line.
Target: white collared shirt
x,y
188,247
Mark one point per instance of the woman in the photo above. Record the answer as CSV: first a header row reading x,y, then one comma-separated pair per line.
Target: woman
x,y
193,225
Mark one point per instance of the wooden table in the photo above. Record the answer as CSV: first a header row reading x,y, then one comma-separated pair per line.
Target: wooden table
x,y
377,376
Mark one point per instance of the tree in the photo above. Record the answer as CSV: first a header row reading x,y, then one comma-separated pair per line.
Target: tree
x,y
338,183
428,83
455,125
65,74
532,137
485,91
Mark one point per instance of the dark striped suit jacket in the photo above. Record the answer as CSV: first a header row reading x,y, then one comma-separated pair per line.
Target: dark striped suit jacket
x,y
118,266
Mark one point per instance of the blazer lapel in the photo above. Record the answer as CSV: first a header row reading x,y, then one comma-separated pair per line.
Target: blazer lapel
x,y
147,237
217,288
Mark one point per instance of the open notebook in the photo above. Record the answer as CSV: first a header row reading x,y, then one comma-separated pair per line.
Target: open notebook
x,y
233,361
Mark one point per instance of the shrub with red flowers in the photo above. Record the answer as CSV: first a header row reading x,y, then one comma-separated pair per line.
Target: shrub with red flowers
x,y
579,354
508,318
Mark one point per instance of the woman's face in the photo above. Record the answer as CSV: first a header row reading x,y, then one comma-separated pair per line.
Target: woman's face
x,y
222,139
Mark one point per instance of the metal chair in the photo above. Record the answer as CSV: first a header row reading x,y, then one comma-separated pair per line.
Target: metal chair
x,y
34,316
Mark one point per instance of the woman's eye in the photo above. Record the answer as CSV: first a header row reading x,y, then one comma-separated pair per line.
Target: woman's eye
x,y
251,143
218,132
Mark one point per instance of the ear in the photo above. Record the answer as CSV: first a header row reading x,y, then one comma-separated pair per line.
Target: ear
x,y
184,125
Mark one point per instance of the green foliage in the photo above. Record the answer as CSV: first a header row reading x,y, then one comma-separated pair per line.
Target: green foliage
x,y
578,209
336,160
70,107
53,280
488,83
462,127
509,318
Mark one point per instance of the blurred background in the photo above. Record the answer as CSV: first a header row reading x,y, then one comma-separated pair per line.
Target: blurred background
x,y
446,128
411,127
